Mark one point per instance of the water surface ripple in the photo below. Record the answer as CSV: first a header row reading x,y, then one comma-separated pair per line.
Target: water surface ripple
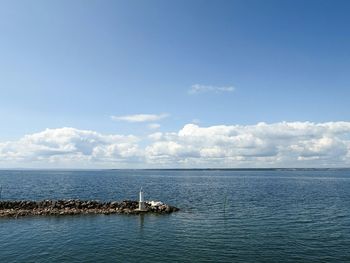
x,y
226,216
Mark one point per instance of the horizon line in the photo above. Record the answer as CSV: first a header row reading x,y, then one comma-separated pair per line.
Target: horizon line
x,y
179,169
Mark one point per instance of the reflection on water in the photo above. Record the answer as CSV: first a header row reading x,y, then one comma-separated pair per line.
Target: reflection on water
x,y
141,220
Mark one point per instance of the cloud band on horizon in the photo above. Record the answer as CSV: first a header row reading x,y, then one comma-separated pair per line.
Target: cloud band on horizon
x,y
283,144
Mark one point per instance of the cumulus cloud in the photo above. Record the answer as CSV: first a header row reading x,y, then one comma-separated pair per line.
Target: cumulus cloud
x,y
197,88
140,117
293,144
283,144
69,146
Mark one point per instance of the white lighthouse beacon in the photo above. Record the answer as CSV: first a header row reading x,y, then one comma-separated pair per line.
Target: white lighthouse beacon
x,y
142,206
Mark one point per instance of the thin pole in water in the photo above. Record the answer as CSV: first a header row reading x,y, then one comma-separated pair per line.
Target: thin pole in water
x,y
225,204
0,191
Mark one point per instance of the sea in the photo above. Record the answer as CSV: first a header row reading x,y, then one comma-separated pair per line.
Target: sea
x,y
261,215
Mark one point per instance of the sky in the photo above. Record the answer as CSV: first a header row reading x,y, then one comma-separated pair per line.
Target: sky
x,y
174,84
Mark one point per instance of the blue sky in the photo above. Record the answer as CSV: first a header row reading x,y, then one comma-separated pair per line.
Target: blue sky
x,y
77,63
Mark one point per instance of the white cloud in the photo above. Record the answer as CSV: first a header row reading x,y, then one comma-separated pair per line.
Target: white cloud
x,y
155,136
197,88
196,121
140,117
283,144
154,126
294,144
69,147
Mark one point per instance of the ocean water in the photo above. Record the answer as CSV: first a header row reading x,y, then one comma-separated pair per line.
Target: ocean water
x,y
226,216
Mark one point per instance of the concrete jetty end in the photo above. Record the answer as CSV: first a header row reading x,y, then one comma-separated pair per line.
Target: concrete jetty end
x,y
79,207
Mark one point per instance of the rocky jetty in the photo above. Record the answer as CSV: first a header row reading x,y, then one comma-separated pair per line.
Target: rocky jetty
x,y
79,207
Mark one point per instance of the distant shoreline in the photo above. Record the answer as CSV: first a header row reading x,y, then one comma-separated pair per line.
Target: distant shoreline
x,y
176,169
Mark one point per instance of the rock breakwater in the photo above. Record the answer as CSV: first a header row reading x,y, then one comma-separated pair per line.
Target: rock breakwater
x,y
78,207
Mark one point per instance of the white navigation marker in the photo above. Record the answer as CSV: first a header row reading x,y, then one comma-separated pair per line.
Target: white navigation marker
x,y
142,206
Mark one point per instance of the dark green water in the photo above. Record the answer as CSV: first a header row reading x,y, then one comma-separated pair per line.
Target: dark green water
x,y
226,216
